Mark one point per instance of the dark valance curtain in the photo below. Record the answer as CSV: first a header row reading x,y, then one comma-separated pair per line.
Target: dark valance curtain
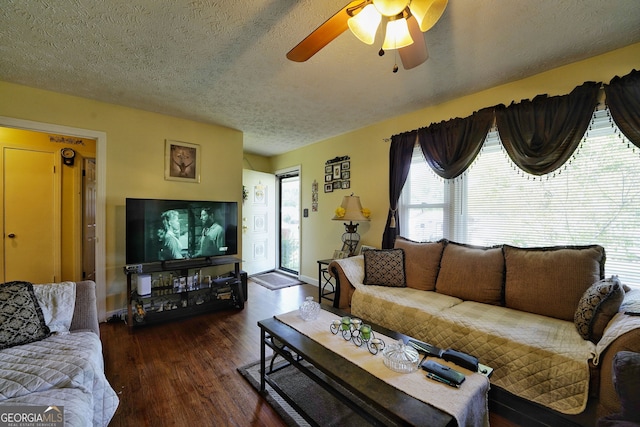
x,y
623,100
541,135
400,154
449,147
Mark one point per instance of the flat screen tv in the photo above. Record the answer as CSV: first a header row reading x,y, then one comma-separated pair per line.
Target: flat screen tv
x,y
162,230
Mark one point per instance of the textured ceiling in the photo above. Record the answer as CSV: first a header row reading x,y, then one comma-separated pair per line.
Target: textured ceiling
x,y
223,61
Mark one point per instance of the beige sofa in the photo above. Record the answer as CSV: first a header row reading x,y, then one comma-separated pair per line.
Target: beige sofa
x,y
51,354
546,319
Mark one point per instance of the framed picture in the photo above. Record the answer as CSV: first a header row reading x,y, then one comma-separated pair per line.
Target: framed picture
x,y
338,254
181,161
346,174
337,185
346,184
336,172
328,178
328,169
328,188
346,165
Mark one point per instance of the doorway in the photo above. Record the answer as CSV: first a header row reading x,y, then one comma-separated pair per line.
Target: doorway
x,y
100,197
289,225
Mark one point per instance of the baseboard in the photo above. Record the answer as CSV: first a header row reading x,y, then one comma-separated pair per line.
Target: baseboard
x,y
309,280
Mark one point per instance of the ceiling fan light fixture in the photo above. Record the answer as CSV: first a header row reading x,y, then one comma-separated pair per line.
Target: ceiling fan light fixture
x,y
390,8
397,35
365,24
427,12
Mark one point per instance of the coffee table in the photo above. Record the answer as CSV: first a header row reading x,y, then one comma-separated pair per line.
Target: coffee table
x,y
295,347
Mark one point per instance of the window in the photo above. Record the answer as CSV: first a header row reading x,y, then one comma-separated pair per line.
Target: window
x,y
424,203
593,199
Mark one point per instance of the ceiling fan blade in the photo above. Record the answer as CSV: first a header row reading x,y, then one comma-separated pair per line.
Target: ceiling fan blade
x,y
324,34
416,53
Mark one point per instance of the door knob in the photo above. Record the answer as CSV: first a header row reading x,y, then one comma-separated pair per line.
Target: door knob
x,y
11,235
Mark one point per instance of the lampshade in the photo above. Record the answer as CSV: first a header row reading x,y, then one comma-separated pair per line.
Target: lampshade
x,y
397,34
352,210
365,24
390,7
427,12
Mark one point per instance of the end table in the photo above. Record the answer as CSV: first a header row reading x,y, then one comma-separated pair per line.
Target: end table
x,y
326,283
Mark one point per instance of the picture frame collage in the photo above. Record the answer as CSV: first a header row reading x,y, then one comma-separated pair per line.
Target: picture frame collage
x,y
337,174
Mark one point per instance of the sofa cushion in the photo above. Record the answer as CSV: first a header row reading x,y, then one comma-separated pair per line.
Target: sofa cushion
x,y
422,262
21,319
550,281
384,267
597,306
472,273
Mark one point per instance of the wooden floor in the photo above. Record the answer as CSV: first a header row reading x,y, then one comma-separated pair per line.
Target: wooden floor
x,y
184,373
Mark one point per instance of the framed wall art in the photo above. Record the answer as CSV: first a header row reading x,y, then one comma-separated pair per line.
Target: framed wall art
x,y
182,161
337,174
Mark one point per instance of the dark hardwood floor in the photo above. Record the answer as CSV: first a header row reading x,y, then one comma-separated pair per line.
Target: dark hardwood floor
x,y
184,373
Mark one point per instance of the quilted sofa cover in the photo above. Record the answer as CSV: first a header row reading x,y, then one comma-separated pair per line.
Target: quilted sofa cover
x,y
65,369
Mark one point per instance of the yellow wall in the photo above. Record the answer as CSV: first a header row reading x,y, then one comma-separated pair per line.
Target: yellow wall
x,y
135,159
369,153
257,163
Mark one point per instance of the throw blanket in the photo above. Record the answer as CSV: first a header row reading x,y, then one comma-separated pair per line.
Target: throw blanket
x,y
468,404
621,323
64,370
535,357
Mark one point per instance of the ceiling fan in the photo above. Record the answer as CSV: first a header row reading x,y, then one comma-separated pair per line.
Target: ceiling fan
x,y
405,20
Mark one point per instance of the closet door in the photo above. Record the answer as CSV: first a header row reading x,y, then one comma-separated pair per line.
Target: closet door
x,y
31,216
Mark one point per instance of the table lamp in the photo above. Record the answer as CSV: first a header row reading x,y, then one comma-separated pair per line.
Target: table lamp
x,y
351,210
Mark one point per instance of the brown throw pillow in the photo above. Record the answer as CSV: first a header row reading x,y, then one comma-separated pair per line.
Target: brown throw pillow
x,y
422,262
550,281
384,267
472,273
597,306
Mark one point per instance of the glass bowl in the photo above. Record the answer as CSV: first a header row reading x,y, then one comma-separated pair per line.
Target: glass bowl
x,y
401,358
309,310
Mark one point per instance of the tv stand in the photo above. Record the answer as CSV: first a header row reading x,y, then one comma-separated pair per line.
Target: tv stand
x,y
178,290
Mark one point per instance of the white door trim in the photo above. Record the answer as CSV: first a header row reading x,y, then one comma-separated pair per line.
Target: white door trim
x,y
101,176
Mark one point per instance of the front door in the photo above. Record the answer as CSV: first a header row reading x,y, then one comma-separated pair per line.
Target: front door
x,y
31,216
258,222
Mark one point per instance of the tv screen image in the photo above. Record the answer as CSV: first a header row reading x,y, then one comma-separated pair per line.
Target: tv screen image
x,y
162,230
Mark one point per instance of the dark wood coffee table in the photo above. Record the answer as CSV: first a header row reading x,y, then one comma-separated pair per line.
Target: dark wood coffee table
x,y
397,406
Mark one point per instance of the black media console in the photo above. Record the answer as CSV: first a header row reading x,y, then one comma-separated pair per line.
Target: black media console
x,y
170,290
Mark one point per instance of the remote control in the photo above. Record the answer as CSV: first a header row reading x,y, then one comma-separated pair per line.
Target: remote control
x,y
424,348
